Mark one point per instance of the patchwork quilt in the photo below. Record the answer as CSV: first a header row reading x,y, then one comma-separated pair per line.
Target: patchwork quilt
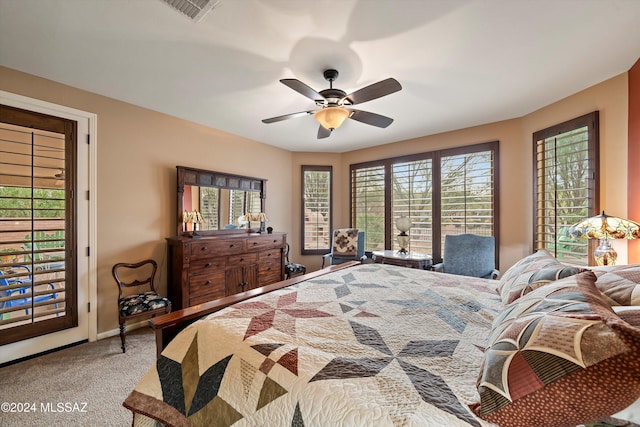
x,y
374,344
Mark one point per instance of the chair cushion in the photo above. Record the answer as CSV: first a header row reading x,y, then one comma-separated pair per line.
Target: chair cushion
x,y
292,268
345,242
559,356
139,303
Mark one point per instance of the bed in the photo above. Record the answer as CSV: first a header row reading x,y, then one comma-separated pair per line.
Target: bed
x,y
376,344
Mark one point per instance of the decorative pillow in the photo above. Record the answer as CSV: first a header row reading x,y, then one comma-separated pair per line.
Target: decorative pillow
x,y
559,356
548,275
514,283
621,285
345,242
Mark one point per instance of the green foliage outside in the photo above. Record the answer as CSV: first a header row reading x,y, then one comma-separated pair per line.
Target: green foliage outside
x,y
564,178
16,202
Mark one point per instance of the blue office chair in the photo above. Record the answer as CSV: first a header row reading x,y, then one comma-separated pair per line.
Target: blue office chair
x,y
347,244
469,255
10,285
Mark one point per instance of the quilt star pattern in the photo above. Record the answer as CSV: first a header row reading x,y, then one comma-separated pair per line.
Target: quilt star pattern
x,y
373,344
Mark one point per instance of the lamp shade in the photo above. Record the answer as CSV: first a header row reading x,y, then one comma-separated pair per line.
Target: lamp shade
x,y
331,117
403,224
605,227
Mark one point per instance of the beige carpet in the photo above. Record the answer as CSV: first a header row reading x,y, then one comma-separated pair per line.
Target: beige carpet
x,y
95,377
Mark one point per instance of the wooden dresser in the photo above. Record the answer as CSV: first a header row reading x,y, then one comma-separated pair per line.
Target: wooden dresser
x,y
212,267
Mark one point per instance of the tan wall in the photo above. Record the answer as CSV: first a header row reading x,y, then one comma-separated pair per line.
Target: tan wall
x,y
138,150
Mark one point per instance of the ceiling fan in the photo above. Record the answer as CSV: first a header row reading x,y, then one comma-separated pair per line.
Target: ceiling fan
x,y
332,103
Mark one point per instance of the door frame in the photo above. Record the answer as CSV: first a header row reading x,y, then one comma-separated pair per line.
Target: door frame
x,y
87,236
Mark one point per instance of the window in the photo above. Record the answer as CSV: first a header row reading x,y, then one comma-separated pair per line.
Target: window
x,y
442,192
242,202
37,229
368,205
566,185
210,207
412,197
467,194
316,209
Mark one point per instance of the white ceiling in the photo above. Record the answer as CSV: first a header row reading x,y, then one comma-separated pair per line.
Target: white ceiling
x,y
461,62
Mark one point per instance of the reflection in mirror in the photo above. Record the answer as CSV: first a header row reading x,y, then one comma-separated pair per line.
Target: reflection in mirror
x,y
220,208
219,198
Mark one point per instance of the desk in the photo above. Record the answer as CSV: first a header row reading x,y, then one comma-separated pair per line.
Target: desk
x,y
409,259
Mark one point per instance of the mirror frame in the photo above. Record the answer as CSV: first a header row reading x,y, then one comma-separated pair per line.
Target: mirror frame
x,y
208,178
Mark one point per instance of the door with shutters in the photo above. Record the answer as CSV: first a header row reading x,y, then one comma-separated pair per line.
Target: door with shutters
x,y
39,291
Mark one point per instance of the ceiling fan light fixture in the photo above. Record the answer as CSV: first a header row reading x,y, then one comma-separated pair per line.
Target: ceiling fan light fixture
x,y
331,117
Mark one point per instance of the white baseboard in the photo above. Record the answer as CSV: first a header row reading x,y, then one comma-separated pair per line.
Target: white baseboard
x,y
130,327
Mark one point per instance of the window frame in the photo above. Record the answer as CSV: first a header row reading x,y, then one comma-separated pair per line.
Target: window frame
x,y
436,157
592,122
315,168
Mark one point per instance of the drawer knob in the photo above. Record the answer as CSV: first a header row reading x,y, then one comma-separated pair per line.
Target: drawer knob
x,y
204,248
255,243
208,264
241,259
269,269
208,282
231,245
270,254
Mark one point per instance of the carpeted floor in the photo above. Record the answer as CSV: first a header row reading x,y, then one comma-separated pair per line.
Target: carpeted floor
x,y
78,386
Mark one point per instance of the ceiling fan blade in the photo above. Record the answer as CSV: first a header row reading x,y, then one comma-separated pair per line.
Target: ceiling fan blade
x,y
302,88
323,132
376,90
372,119
288,116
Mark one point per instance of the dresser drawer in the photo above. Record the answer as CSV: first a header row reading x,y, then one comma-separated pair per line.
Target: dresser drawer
x,y
269,267
271,254
206,266
264,242
268,272
206,287
243,259
217,247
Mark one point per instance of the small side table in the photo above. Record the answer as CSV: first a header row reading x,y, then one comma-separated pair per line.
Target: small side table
x,y
409,259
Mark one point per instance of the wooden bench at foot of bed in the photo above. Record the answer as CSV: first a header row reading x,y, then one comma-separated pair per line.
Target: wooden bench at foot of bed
x,y
168,325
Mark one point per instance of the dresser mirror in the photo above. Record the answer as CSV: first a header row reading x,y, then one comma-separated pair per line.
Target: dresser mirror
x,y
220,199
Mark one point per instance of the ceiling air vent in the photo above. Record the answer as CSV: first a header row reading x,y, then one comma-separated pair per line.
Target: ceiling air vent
x,y
194,9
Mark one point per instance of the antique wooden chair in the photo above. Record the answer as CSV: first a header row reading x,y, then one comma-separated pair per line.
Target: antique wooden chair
x,y
292,269
133,306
